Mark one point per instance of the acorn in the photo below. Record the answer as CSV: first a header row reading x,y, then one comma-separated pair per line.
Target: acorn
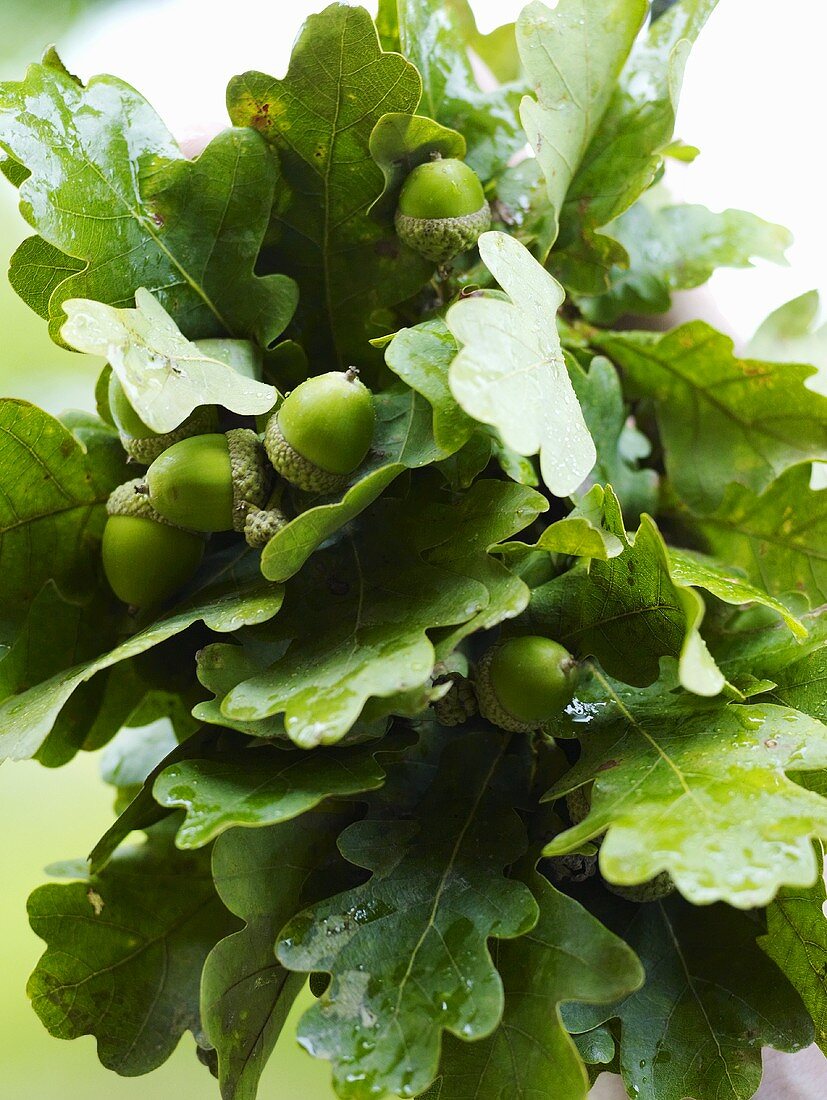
x,y
458,704
322,431
442,209
523,682
209,482
140,442
146,558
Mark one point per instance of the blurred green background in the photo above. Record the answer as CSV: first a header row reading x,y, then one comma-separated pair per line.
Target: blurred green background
x,y
50,815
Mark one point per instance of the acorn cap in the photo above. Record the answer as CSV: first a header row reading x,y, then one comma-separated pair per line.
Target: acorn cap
x,y
658,887
457,705
146,449
249,473
262,524
131,499
441,239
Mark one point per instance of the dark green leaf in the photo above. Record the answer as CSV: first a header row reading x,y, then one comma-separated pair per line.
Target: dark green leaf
x,y
108,186
320,118
407,951
124,955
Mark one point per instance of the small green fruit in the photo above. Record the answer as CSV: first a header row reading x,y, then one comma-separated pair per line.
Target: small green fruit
x,y
322,432
523,682
145,558
442,209
141,443
209,482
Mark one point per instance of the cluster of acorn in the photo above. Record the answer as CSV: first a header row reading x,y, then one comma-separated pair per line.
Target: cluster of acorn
x,y
201,481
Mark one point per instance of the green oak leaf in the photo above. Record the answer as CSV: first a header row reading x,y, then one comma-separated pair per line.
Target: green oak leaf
x,y
778,537
791,670
398,143
628,610
357,618
567,956
690,568
37,269
436,37
232,594
254,786
675,248
261,877
510,372
796,941
573,54
698,791
791,335
722,420
124,954
163,374
710,1002
407,951
403,440
627,149
620,445
579,534
108,186
320,118
422,357
52,509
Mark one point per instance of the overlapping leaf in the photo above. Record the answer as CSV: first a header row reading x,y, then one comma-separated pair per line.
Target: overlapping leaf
x,y
233,594
403,440
260,877
108,186
124,954
626,150
678,247
407,951
722,420
700,792
52,507
357,617
510,372
628,610
320,118
436,37
573,54
777,537
796,941
711,1000
258,786
568,956
163,374
620,445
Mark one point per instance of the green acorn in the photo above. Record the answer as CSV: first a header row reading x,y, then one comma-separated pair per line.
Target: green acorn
x,y
322,431
209,482
146,559
141,443
442,209
522,682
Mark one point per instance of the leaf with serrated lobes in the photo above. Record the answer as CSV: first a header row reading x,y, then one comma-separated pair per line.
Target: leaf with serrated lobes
x,y
261,877
108,185
407,951
711,1000
358,616
52,508
568,956
699,791
259,786
320,118
124,955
